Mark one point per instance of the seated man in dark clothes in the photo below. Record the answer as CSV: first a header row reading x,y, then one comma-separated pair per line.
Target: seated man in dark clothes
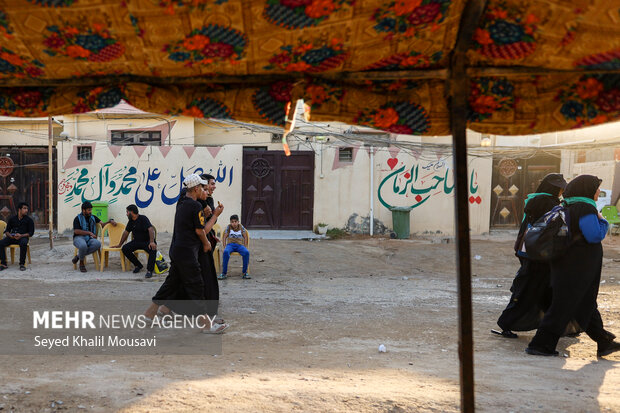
x,y
19,229
85,234
143,239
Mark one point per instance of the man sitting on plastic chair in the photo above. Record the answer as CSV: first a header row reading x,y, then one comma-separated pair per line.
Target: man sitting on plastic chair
x,y
19,229
235,239
85,234
143,239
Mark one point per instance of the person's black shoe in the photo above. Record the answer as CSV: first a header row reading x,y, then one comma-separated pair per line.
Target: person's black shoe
x,y
538,352
137,270
148,274
22,268
505,333
608,348
3,267
75,259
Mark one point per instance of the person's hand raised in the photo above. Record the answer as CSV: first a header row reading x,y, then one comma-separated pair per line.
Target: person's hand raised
x,y
218,209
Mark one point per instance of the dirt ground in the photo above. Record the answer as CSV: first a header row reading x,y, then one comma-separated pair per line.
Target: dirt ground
x,y
305,334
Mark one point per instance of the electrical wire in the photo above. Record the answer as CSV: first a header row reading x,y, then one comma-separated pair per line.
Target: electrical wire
x,y
381,142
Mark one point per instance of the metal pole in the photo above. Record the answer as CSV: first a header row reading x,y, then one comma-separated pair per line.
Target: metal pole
x,y
50,186
372,190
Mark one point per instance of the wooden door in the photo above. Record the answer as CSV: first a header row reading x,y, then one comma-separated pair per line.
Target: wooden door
x,y
278,190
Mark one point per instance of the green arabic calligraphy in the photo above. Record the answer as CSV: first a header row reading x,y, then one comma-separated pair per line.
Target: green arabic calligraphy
x,y
422,194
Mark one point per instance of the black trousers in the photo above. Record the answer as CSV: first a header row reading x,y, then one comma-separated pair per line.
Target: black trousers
x,y
132,246
209,279
183,290
23,249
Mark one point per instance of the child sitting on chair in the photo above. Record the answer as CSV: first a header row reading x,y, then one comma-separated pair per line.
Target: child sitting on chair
x,y
235,239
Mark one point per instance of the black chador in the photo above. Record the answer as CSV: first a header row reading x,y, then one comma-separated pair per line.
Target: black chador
x,y
575,277
531,288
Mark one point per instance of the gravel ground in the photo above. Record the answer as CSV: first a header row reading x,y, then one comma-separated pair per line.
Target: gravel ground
x,y
305,333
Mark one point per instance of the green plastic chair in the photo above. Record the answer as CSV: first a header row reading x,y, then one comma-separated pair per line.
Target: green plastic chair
x,y
610,213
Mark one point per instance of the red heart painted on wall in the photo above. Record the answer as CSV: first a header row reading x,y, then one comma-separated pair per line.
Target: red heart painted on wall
x,y
392,162
472,199
478,200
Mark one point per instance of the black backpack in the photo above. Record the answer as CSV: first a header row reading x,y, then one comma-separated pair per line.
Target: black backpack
x,y
548,238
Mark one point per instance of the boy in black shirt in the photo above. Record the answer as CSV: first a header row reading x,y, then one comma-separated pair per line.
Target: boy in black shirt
x,y
143,239
209,275
19,229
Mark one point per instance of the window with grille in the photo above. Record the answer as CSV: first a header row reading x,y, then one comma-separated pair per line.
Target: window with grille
x,y
136,137
84,153
345,154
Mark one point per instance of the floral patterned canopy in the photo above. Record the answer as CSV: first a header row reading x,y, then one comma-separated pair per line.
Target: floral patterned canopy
x,y
379,63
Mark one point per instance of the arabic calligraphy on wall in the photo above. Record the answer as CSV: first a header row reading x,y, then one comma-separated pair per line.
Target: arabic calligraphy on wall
x,y
413,185
154,184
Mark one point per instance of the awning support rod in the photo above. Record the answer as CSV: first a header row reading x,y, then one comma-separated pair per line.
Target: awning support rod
x,y
458,89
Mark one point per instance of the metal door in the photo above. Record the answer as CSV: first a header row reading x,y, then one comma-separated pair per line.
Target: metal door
x,y
23,177
512,181
507,192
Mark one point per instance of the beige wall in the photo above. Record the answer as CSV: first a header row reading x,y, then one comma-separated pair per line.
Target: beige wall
x,y
608,131
345,189
123,175
599,133
97,127
213,133
342,190
604,170
26,131
145,176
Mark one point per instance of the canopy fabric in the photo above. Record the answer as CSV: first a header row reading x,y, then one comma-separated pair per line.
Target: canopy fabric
x,y
535,66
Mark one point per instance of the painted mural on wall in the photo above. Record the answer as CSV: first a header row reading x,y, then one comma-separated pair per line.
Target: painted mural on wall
x,y
145,186
413,182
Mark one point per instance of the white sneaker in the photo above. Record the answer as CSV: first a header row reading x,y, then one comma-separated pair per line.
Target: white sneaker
x,y
216,328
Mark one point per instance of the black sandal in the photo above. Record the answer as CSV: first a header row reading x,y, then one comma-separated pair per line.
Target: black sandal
x,y
505,333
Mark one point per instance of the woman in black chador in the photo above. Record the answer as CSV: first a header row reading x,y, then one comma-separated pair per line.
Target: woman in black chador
x,y
531,289
575,277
